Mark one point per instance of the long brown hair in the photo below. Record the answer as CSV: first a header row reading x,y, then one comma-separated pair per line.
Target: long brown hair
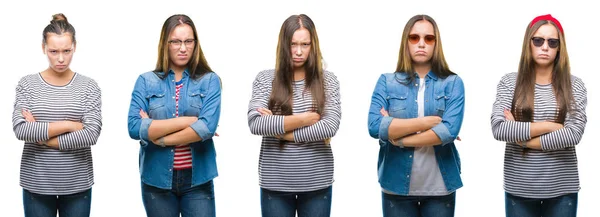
x,y
280,101
522,106
197,65
438,62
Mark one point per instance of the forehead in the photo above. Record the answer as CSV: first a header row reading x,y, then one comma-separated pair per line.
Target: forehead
x,y
301,34
546,31
422,27
64,41
182,30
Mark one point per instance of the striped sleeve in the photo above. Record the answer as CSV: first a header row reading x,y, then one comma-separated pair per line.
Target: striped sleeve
x,y
504,130
329,123
268,125
574,125
26,131
91,120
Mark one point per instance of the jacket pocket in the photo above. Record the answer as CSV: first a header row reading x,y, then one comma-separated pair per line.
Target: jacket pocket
x,y
398,104
440,103
156,103
195,100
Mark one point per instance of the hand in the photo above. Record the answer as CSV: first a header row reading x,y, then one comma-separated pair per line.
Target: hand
x,y
327,141
508,115
264,111
309,118
27,115
432,121
552,126
384,112
143,114
75,126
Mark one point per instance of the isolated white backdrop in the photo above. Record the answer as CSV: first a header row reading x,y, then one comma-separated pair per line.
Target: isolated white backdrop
x,y
117,41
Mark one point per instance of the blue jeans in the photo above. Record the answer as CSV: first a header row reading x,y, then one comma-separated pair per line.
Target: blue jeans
x,y
39,205
561,206
285,204
181,198
414,206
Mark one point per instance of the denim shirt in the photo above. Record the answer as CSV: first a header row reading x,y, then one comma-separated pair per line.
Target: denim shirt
x,y
444,97
198,97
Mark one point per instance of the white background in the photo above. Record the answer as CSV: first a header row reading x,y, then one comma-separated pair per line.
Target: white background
x,y
117,41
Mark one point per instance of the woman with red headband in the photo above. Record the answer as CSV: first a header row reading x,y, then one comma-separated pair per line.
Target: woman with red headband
x,y
540,113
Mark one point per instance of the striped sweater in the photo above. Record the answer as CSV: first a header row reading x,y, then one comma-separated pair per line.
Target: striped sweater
x,y
307,163
549,172
69,169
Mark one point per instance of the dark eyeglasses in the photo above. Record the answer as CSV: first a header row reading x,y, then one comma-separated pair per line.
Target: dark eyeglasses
x,y
552,42
414,38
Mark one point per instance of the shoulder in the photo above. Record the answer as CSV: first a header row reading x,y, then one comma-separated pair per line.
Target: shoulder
x,y
265,76
577,83
87,82
509,78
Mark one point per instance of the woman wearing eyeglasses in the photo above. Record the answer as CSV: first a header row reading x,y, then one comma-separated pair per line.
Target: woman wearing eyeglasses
x,y
57,113
296,109
174,113
416,113
540,113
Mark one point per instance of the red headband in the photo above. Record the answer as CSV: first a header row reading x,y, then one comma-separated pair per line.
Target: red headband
x,y
547,17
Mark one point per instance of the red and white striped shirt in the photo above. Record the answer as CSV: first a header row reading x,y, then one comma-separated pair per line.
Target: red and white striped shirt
x,y
183,153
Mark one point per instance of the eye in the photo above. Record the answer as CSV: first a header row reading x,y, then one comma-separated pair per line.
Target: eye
x,y
305,44
189,41
67,51
53,52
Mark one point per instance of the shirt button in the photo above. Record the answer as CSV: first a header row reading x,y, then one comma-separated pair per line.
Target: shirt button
x,y
173,114
173,97
410,156
173,80
416,100
171,150
170,170
416,84
407,176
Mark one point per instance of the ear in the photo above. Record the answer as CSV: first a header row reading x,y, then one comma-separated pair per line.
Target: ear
x,y
74,47
44,48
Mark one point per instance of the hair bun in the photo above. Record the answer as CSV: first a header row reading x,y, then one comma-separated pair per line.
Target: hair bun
x,y
59,17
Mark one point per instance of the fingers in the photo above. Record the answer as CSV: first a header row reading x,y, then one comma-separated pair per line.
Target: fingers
x,y
458,138
143,114
384,112
27,115
216,134
264,111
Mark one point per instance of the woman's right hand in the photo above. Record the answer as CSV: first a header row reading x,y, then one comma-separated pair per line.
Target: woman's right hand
x,y
309,118
432,121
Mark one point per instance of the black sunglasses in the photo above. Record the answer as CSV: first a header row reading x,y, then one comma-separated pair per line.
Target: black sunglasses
x,y
552,42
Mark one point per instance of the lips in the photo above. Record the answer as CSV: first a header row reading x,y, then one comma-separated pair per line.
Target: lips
x,y
298,59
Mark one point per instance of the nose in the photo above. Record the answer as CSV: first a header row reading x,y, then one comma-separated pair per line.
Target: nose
x,y
421,43
183,48
298,50
545,46
61,58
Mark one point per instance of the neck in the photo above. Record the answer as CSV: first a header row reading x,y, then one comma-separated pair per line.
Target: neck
x,y
299,73
543,74
178,72
57,78
422,69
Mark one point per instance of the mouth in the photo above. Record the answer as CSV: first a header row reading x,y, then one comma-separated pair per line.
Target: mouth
x,y
544,56
421,53
298,59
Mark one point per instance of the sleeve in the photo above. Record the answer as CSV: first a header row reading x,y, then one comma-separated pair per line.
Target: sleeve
x,y
207,122
330,121
138,127
448,129
26,131
91,120
574,125
502,129
268,125
378,124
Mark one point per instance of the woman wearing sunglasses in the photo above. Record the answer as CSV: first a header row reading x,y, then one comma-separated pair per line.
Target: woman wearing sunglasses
x,y
174,113
416,113
540,113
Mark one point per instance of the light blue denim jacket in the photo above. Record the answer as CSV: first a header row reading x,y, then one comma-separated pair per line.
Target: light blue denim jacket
x,y
444,97
198,97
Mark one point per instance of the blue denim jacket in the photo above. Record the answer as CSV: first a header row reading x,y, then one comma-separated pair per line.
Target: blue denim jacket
x,y
198,97
444,97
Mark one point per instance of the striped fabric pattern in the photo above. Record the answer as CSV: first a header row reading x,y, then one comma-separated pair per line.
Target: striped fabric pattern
x,y
549,172
68,170
307,163
183,154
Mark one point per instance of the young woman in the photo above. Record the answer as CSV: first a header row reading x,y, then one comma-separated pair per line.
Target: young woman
x,y
57,112
416,113
296,108
540,113
174,113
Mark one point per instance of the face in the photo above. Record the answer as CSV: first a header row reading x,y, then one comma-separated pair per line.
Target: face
x,y
300,47
59,49
547,37
421,41
181,45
